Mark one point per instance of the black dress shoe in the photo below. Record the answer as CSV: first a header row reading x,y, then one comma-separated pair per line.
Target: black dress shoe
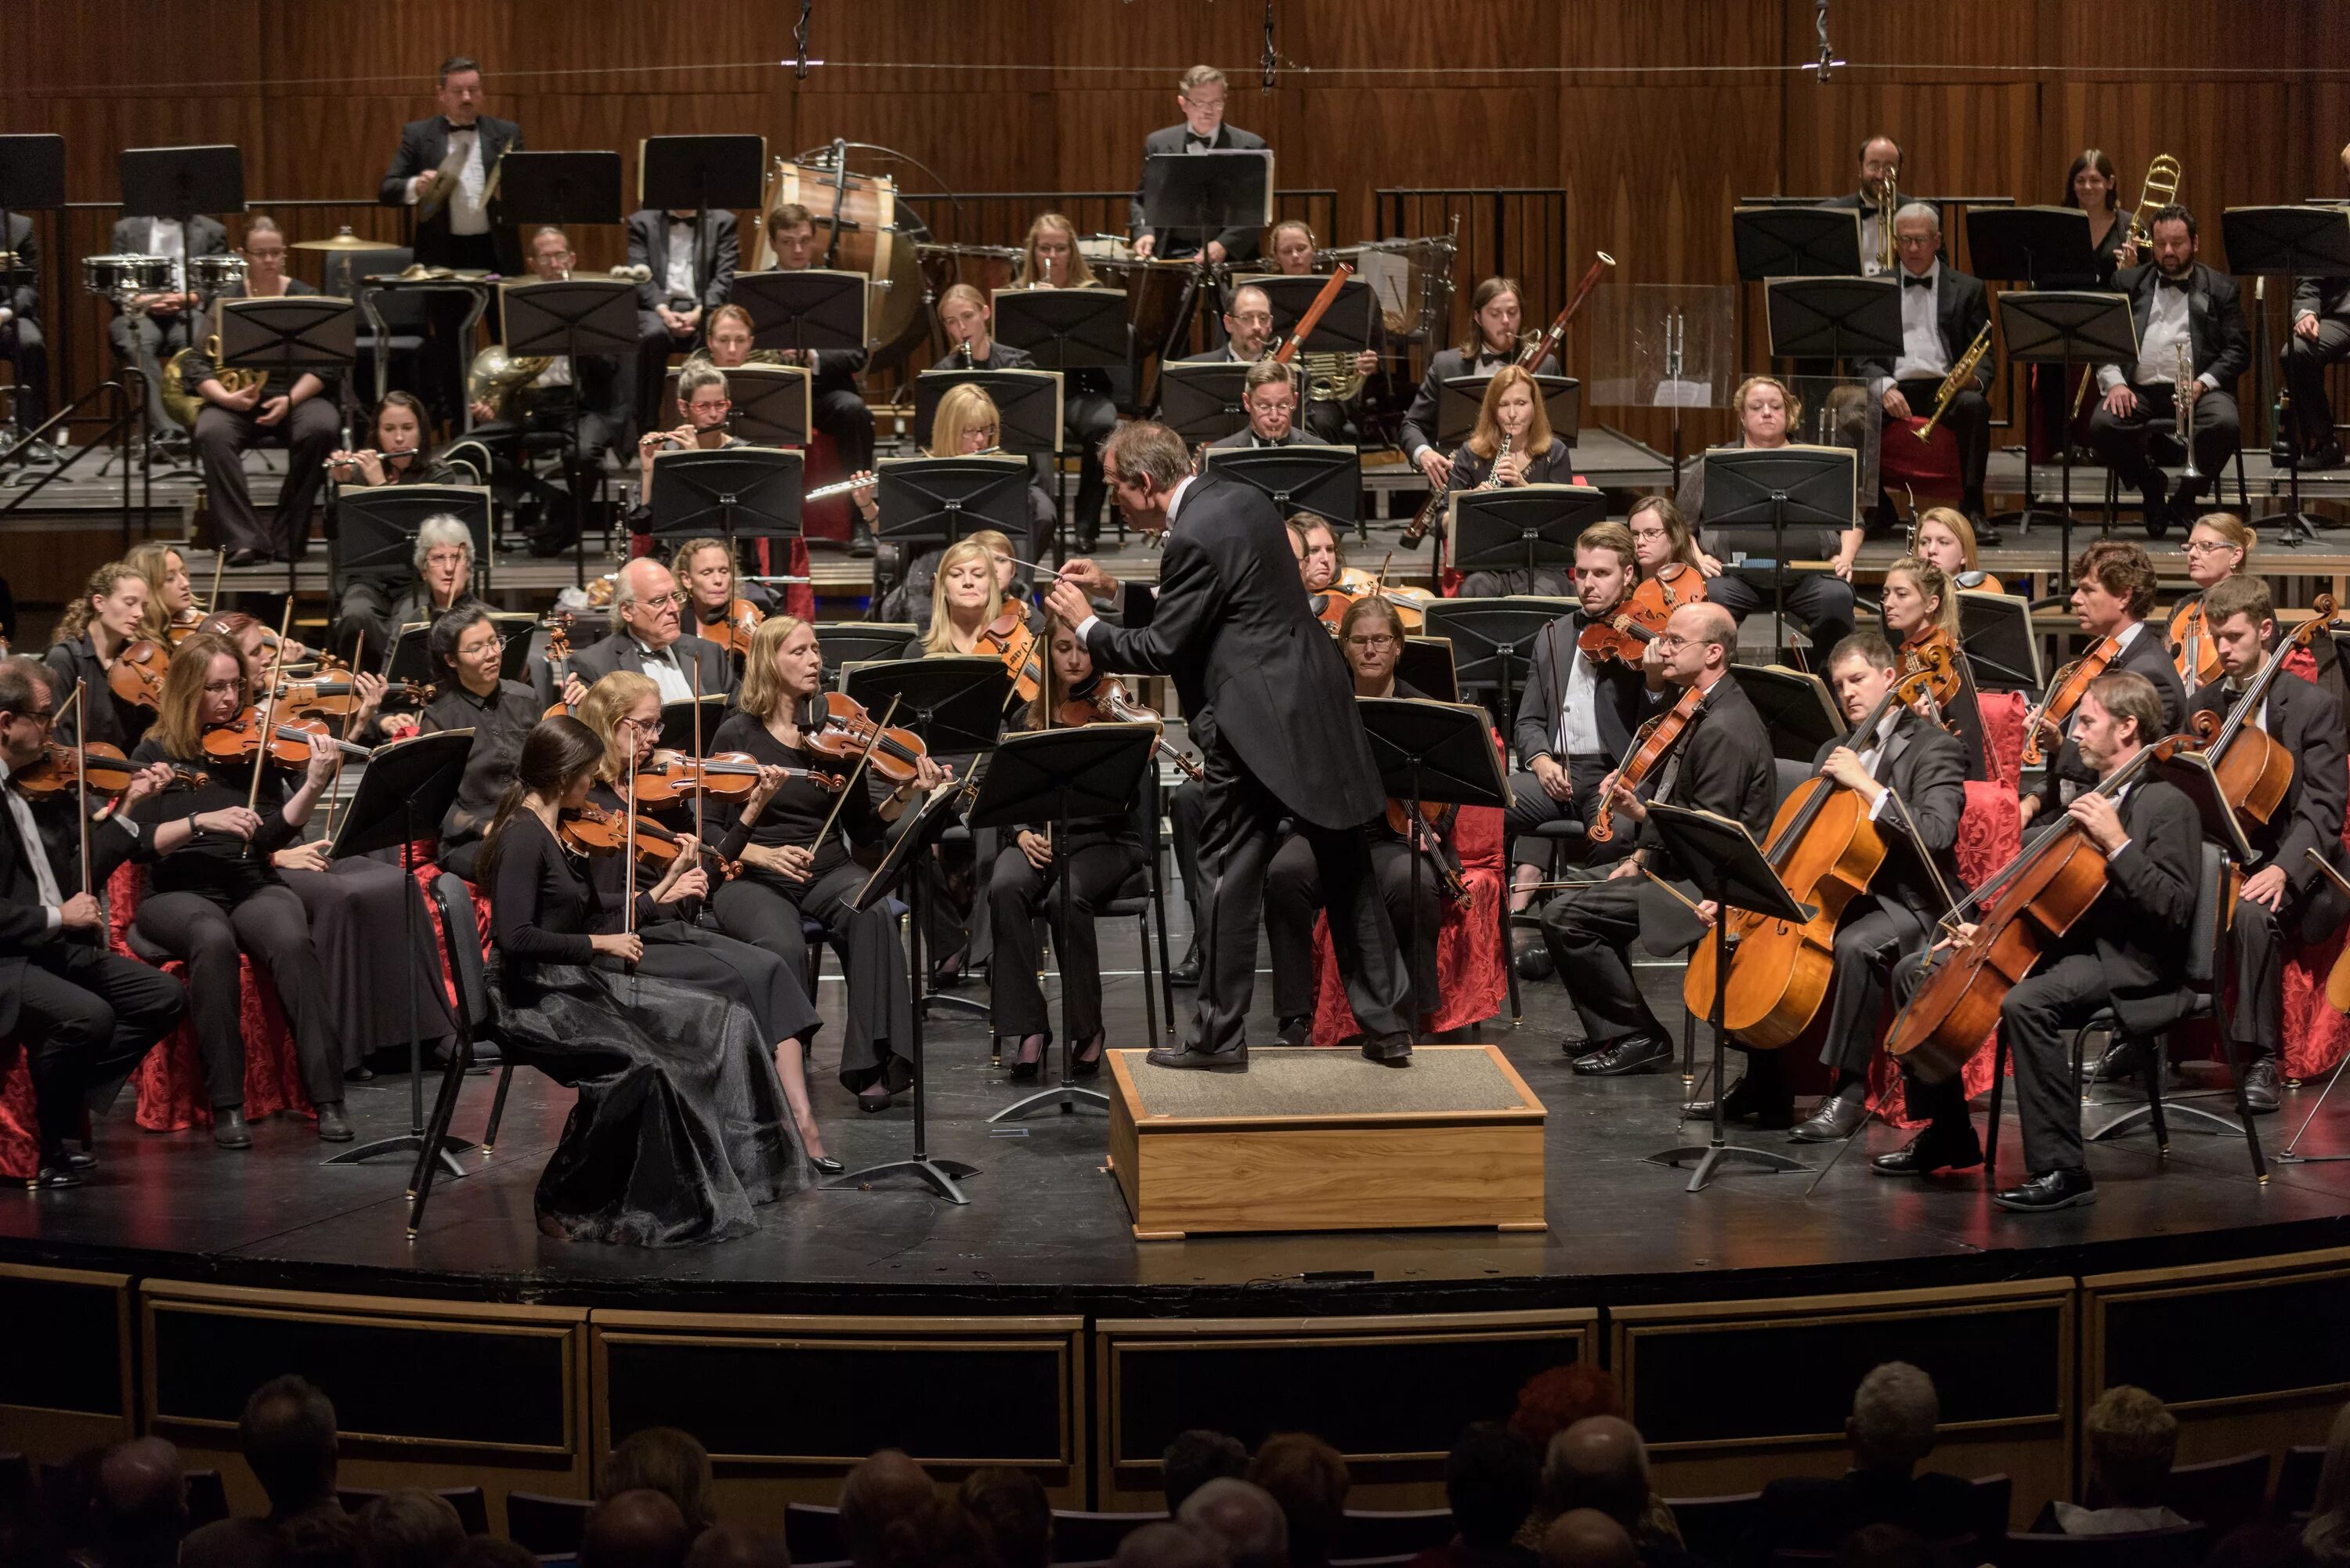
x,y
1632,1054
1232,1061
1188,971
1294,1031
229,1130
1029,1059
826,1164
333,1125
363,1073
2261,1086
1836,1117
246,558
2050,1189
1389,1049
1749,1103
548,546
861,539
2326,456
73,1161
1534,961
51,1175
873,1097
1087,1062
2123,1059
1088,542
1931,1151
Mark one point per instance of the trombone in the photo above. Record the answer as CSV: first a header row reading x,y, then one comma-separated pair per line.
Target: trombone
x,y
2161,188
1888,202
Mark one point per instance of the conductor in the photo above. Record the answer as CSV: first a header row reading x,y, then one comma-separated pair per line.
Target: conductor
x,y
1271,711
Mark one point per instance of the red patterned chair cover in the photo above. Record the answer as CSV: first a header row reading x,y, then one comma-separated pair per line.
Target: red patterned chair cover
x,y
20,1125
169,1079
1928,470
1468,956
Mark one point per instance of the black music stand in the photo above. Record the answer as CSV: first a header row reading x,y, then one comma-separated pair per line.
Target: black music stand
x,y
813,308
180,181
406,790
1190,198
677,721
1796,709
1460,398
737,492
772,403
681,173
2045,247
939,500
1795,241
1027,407
573,317
1723,860
2066,327
1995,634
1810,486
1426,665
1838,320
286,335
2292,243
866,642
373,532
1493,640
1344,328
1520,527
1065,328
955,704
1327,481
1066,776
1203,403
1432,753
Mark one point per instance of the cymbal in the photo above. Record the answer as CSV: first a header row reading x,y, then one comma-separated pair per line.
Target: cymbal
x,y
345,240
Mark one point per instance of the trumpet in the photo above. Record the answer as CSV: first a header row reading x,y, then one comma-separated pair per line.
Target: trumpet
x,y
1961,374
2183,397
2161,188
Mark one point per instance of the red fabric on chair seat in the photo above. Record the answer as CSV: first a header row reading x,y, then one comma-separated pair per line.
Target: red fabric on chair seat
x,y
829,518
2316,1035
1927,470
169,1079
1468,956
20,1122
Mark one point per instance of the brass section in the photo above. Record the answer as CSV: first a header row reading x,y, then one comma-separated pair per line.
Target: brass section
x,y
495,376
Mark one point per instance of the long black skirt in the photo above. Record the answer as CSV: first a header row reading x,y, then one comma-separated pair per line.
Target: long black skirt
x,y
374,962
681,1126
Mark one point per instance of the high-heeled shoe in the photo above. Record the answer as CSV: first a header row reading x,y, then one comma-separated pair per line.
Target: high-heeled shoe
x,y
1025,1067
826,1164
1087,1063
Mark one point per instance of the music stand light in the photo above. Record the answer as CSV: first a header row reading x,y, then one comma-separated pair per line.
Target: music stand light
x,y
1327,481
1027,405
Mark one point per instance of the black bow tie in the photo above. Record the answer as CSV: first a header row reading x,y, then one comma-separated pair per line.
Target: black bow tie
x,y
453,128
674,220
1192,139
2167,281
1911,280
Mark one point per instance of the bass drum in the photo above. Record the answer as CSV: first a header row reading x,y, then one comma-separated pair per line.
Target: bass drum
x,y
860,229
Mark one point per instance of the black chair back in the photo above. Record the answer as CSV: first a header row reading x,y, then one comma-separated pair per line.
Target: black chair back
x,y
812,1532
455,900
2180,1547
547,1526
1715,1528
2209,928
1079,1537
2296,1482
1367,1534
2219,1493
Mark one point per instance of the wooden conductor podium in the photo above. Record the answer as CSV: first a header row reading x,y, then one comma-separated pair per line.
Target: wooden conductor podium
x,y
1321,1140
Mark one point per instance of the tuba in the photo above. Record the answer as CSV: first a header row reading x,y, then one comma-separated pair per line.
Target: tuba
x,y
496,375
182,401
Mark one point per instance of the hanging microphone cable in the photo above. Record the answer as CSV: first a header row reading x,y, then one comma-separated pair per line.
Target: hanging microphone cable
x,y
1272,62
800,41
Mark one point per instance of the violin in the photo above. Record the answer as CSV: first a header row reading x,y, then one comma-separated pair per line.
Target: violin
x,y
1934,654
136,676
558,665
1825,849
1105,702
670,775
183,625
1625,635
103,768
593,830
288,744
845,729
2253,768
1650,747
1008,638
2065,694
2036,897
319,699
2191,647
732,631
1330,607
1422,836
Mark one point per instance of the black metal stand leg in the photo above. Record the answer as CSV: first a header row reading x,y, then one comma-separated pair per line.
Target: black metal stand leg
x,y
941,1174
1998,1089
1065,1096
2290,1154
1718,1150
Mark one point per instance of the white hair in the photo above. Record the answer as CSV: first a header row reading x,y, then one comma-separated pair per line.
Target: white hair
x,y
1893,1415
436,532
624,587
1925,210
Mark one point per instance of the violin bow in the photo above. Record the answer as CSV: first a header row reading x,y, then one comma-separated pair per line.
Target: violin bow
x,y
628,874
268,726
335,790
697,746
840,796
81,783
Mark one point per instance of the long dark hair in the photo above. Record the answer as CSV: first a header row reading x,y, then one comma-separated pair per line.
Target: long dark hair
x,y
554,754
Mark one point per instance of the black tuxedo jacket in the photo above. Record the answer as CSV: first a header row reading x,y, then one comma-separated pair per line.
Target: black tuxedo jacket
x,y
713,257
2148,654
1245,440
1240,245
424,143
1926,766
1725,766
1419,420
619,651
24,298
1624,699
1961,310
2138,928
23,922
2215,319
1232,626
2307,721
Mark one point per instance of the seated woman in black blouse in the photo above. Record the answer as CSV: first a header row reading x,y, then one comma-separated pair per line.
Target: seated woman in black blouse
x,y
1101,854
96,629
218,893
623,709
788,876
681,1125
1513,410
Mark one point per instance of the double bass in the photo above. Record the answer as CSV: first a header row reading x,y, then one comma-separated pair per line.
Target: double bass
x,y
1825,848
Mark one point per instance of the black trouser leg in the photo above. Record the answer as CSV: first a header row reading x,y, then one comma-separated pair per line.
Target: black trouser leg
x,y
146,341
365,615
28,351
271,925
313,428
1393,865
87,1017
841,414
751,910
1238,820
2218,432
1873,935
1293,896
1823,602
195,929
1969,420
1015,998
880,1010
2039,1013
655,344
1943,1103
2256,1021
1088,417
2305,374
1590,932
222,437
1183,806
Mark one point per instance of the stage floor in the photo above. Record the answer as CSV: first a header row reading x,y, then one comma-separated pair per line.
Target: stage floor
x,y
1046,1230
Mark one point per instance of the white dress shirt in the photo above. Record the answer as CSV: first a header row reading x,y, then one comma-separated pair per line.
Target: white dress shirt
x,y
28,834
468,211
1578,712
680,282
1924,357
667,674
169,237
2167,331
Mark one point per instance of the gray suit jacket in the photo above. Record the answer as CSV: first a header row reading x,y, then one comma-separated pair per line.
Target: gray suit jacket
x,y
619,651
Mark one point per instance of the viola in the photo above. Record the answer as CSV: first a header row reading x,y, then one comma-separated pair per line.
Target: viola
x,y
670,775
1650,747
1626,633
1105,702
2036,897
593,830
731,630
2065,694
2191,647
136,677
1422,836
1009,637
320,699
104,767
2253,768
1825,849
289,745
558,665
846,729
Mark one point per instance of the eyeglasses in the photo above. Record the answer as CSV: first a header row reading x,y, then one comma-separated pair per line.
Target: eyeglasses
x,y
217,688
2205,546
44,718
675,600
1666,641
1378,639
496,645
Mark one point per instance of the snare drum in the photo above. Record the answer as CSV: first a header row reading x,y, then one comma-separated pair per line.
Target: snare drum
x,y
125,274
210,274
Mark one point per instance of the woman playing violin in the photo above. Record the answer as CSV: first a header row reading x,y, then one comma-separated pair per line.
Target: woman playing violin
x,y
964,600
788,875
2218,547
706,572
1945,538
623,709
172,609
98,629
1921,613
1512,413
1101,854
215,891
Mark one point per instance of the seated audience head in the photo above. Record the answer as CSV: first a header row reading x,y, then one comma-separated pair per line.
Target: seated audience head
x,y
288,1432
1599,1462
884,1508
2133,1437
1303,1474
1017,1514
322,1537
739,1546
640,1529
408,1529
142,1505
670,1462
1245,1517
1587,1537
1196,1457
1893,1415
1491,1478
1169,1546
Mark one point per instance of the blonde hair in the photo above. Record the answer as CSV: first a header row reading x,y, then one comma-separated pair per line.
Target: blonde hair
x,y
1485,441
762,687
2233,529
1032,271
1930,583
1738,403
941,638
607,703
177,726
79,613
1960,529
679,563
1680,544
961,410
964,291
153,561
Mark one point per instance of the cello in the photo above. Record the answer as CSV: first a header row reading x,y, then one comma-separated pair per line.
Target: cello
x,y
1824,846
2254,769
1650,747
